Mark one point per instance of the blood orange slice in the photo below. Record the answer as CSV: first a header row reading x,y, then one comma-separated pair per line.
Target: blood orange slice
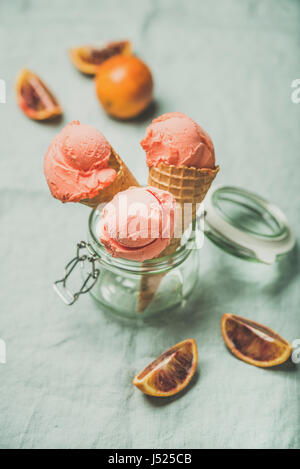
x,y
254,343
34,97
170,372
88,58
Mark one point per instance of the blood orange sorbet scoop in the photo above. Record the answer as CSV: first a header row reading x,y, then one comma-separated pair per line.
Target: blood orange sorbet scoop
x,y
76,163
138,223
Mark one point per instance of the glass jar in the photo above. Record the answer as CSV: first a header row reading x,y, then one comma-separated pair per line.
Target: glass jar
x,y
129,288
239,222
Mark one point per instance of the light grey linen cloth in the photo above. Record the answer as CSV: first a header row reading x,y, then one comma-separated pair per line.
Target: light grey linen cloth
x,y
67,378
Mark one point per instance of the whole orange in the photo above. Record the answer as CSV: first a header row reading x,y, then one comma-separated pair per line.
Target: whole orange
x,y
124,86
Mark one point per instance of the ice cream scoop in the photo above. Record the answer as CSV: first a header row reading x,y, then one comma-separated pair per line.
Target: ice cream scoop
x,y
175,139
85,148
138,223
181,159
76,164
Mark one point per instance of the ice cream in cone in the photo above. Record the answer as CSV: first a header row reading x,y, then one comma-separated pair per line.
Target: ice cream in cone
x,y
138,224
81,166
124,179
181,159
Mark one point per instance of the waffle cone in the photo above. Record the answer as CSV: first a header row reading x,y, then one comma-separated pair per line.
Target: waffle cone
x,y
189,186
123,181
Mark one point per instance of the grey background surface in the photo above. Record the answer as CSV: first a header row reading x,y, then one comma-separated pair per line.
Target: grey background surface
x,y
67,381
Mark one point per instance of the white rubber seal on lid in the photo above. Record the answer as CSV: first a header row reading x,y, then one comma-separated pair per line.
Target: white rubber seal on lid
x,y
246,225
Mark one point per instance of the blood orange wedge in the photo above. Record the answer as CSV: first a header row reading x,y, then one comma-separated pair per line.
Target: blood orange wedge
x,y
254,343
34,97
170,372
88,58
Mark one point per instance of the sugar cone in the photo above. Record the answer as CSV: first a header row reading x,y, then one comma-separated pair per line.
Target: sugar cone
x,y
189,186
123,181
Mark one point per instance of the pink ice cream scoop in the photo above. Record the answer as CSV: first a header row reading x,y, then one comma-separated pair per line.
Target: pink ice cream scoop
x,y
76,163
177,140
138,223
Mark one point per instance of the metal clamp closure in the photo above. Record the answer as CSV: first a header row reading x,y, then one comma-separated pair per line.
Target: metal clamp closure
x,y
60,286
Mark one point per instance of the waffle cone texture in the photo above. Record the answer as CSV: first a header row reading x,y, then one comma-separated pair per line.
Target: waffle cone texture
x,y
188,185
123,181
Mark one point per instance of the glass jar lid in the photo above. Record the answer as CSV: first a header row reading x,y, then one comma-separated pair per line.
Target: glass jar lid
x,y
246,225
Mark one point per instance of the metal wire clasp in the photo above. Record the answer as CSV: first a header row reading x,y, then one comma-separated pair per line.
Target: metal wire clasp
x,y
60,287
